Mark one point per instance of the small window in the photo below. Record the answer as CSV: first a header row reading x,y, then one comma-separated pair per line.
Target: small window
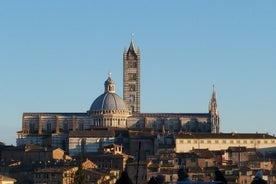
x,y
131,98
49,128
132,64
132,87
132,76
131,108
81,126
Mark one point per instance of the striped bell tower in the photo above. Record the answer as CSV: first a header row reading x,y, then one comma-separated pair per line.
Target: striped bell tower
x,y
131,77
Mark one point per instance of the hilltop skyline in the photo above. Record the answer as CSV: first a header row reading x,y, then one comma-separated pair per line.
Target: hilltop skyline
x,y
55,57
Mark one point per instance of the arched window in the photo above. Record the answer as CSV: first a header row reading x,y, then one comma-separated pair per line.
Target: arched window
x,y
83,143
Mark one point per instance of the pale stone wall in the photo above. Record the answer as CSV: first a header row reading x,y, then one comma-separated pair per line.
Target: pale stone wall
x,y
92,144
185,145
23,139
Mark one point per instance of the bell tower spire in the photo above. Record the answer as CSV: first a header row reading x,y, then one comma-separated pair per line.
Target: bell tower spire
x,y
131,62
214,114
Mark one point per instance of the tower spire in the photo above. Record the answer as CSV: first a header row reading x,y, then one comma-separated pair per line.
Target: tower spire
x,y
213,111
213,101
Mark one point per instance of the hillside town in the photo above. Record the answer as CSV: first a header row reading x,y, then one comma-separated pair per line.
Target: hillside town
x,y
113,137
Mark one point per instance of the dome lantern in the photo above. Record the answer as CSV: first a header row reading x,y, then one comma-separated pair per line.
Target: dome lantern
x,y
109,109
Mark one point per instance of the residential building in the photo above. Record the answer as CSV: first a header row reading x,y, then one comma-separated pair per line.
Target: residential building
x,y
59,175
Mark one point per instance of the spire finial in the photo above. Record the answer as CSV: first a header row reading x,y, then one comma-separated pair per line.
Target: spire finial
x,y
132,36
109,74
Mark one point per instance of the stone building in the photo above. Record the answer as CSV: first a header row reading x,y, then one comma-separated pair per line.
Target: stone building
x,y
59,175
71,131
189,141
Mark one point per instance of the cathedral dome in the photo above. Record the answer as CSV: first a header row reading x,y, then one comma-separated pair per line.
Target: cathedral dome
x,y
109,100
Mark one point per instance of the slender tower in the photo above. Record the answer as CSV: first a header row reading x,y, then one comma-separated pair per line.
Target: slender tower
x,y
131,62
214,114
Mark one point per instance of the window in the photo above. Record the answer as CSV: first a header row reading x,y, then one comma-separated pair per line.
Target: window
x,y
83,143
81,126
132,87
131,108
65,126
131,98
206,163
49,128
132,76
132,64
32,127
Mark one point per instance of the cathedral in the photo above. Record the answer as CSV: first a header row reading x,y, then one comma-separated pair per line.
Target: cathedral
x,y
110,115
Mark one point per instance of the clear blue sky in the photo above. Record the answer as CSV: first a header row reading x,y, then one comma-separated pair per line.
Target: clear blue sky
x,y
55,56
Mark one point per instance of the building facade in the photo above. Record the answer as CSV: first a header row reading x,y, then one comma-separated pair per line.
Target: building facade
x,y
189,141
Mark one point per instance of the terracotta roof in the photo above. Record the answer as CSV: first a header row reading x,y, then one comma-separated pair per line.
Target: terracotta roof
x,y
203,153
237,149
54,169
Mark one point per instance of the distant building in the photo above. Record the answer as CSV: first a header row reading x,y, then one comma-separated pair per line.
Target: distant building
x,y
31,154
188,141
6,180
62,175
74,131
